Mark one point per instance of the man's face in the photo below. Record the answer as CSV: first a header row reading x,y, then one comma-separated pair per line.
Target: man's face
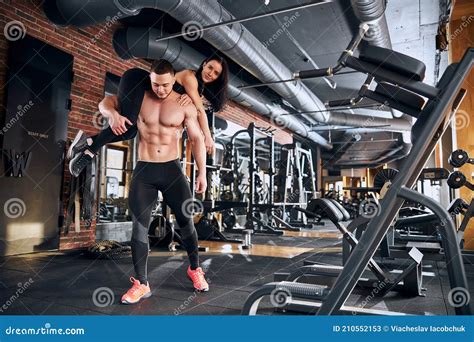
x,y
162,85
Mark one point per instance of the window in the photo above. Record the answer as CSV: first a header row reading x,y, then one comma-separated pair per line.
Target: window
x,y
116,162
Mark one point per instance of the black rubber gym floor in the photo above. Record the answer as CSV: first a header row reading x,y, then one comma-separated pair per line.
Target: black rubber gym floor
x,y
65,283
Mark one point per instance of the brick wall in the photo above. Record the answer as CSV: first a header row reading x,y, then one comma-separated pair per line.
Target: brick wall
x,y
93,57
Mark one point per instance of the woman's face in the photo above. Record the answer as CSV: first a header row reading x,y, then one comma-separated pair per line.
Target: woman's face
x,y
211,71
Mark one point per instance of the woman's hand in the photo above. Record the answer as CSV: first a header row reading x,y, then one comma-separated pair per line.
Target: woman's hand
x,y
184,100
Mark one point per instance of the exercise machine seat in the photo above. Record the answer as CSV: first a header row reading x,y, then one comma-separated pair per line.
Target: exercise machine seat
x,y
394,61
343,210
326,206
400,95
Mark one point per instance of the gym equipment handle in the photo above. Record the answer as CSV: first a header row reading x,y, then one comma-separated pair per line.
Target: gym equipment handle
x,y
339,103
349,51
312,73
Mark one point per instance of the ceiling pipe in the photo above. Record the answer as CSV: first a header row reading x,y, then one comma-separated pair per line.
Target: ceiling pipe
x,y
141,42
392,155
234,40
372,12
383,124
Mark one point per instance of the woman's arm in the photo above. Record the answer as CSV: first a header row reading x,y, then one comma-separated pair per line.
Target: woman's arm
x,y
188,80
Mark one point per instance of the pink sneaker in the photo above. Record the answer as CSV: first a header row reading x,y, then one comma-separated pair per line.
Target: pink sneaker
x,y
136,293
199,282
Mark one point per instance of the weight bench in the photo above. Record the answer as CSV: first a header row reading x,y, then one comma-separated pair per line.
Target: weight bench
x,y
432,121
408,282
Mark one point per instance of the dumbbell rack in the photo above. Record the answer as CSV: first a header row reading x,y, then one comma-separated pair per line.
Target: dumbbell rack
x,y
457,179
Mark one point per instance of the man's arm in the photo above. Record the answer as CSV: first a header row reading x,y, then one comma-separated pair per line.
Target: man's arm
x,y
109,107
198,147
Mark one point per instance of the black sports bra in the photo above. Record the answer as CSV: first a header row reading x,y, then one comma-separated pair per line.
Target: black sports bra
x,y
180,89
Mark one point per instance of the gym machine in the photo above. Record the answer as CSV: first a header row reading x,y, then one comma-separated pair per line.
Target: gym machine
x,y
295,181
425,235
254,217
208,226
408,281
402,73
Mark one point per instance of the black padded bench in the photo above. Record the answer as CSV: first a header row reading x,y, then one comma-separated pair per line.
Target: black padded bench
x,y
394,61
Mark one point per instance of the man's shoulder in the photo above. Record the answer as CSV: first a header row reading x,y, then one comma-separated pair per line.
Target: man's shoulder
x,y
190,110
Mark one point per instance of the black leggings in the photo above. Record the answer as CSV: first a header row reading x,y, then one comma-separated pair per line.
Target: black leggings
x,y
131,91
148,178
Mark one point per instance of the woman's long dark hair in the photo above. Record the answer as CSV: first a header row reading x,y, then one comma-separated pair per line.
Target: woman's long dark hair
x,y
216,91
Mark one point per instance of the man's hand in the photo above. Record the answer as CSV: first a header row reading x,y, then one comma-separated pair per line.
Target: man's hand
x,y
184,100
201,183
210,146
117,124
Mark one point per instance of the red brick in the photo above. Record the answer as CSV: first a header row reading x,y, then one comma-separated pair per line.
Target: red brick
x,y
91,62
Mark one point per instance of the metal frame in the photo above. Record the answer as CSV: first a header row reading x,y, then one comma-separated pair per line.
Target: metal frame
x,y
433,128
260,226
444,102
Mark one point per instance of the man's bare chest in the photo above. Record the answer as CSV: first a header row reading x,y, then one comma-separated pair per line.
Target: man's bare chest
x,y
167,113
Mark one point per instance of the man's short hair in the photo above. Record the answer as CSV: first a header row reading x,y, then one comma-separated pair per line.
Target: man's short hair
x,y
162,66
